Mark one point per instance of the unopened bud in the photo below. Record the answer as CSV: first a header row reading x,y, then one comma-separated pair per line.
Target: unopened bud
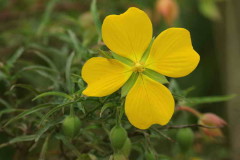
x,y
118,136
149,156
127,146
119,156
185,138
71,126
168,9
210,119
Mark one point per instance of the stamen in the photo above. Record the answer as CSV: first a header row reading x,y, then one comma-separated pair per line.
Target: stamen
x,y
139,67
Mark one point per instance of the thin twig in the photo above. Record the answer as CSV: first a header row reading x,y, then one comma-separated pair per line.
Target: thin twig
x,y
63,152
164,135
189,126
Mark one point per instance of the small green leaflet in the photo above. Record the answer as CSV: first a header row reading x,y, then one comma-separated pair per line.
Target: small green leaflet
x,y
60,94
105,54
146,53
123,59
105,106
14,58
29,111
129,84
155,76
192,101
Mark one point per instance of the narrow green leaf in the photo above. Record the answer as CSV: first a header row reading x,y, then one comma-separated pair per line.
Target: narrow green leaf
x,y
5,103
123,59
129,84
106,106
18,139
155,76
81,107
68,73
44,148
46,16
25,86
55,109
14,58
22,139
96,19
27,112
105,54
68,144
188,90
60,94
2,74
35,68
75,42
175,88
50,77
192,101
146,53
9,110
47,126
47,60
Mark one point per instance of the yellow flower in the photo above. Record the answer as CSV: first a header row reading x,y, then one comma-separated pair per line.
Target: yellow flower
x,y
128,35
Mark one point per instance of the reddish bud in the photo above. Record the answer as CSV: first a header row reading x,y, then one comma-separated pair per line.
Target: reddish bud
x,y
210,119
168,9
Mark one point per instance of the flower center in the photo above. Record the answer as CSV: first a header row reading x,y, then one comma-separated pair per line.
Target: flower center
x,y
139,67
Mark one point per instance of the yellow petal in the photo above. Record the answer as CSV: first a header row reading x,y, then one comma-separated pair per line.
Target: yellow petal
x,y
128,34
172,53
149,102
104,76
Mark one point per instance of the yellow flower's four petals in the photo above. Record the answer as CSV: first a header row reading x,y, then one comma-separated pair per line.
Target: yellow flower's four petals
x,y
128,34
149,102
104,76
172,53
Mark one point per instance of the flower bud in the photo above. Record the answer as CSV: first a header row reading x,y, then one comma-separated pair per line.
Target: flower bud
x,y
149,156
118,136
71,126
210,119
168,9
119,156
127,146
185,138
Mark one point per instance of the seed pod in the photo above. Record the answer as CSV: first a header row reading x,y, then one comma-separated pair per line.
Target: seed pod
x,y
119,156
185,138
127,146
149,156
118,136
71,126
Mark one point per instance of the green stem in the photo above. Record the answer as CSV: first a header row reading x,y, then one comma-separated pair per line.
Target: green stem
x,y
119,112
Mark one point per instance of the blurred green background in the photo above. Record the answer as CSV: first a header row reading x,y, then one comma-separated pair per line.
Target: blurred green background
x,y
55,28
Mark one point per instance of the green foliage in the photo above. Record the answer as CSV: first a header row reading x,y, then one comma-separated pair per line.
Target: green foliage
x,y
43,114
95,15
211,99
209,9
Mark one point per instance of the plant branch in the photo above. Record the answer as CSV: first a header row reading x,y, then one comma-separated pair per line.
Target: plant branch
x,y
189,126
